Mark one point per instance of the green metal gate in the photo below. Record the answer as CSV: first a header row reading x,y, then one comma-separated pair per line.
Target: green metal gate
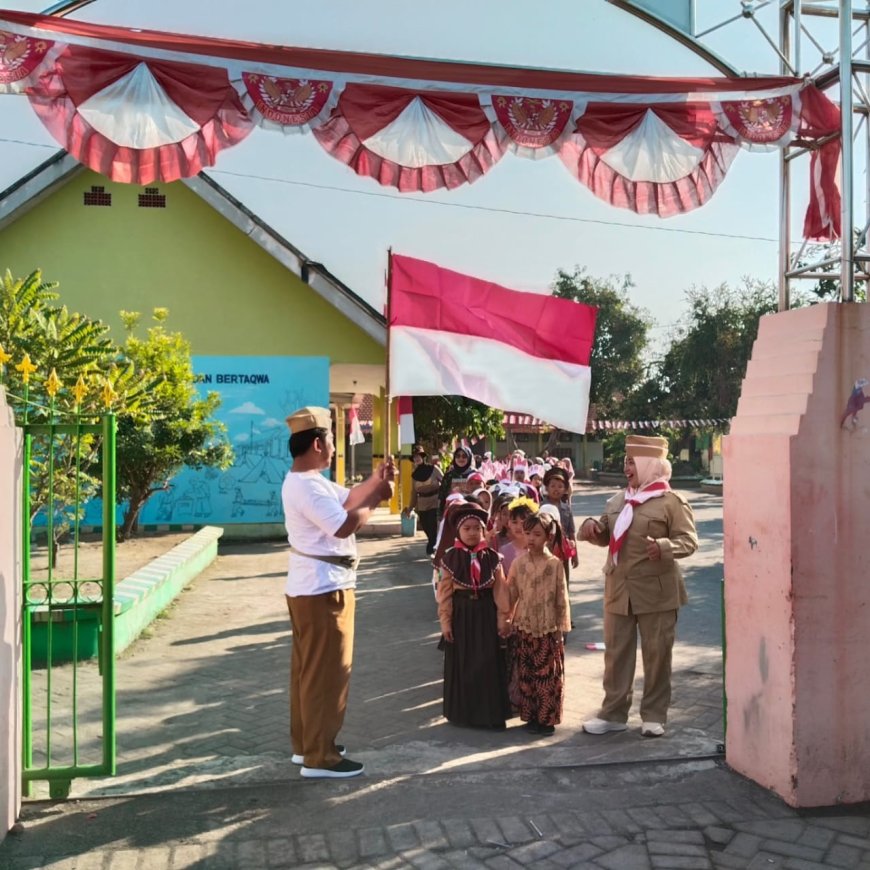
x,y
68,642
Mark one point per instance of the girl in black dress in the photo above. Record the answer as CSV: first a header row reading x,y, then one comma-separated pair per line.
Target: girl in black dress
x,y
473,605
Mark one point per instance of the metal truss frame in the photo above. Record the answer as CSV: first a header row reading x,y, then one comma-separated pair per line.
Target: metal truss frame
x,y
803,41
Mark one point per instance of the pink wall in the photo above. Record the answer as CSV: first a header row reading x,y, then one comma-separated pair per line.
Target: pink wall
x,y
797,553
10,619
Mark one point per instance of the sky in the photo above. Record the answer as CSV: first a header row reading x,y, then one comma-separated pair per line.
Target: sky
x,y
521,222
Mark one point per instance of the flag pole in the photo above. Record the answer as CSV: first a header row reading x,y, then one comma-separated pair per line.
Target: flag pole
x,y
388,440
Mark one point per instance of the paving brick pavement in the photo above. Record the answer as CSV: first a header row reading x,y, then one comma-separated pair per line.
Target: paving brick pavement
x,y
204,776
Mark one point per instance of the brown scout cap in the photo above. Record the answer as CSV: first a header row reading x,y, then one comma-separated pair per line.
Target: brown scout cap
x,y
309,417
653,446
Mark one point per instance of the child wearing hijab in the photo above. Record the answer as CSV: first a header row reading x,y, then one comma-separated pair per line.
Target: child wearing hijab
x,y
540,617
459,471
484,497
645,528
473,605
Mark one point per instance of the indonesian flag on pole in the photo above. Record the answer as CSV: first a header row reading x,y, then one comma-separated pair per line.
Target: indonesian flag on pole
x,y
406,420
356,433
451,334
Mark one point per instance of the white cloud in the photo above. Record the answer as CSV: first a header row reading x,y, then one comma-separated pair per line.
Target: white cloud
x,y
247,408
242,438
271,423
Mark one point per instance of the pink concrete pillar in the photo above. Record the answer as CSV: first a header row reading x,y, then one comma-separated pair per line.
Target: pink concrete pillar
x,y
10,618
797,560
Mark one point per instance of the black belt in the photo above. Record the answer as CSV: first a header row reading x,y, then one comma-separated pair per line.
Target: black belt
x,y
351,562
470,593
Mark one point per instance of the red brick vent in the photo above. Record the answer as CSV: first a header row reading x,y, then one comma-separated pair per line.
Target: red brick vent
x,y
152,198
97,196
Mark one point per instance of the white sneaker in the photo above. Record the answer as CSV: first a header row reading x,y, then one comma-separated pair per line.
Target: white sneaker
x,y
344,769
300,759
602,726
651,729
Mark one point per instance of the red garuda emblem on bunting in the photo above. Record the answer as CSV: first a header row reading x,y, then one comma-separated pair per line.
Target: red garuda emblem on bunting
x,y
530,122
287,101
19,56
760,120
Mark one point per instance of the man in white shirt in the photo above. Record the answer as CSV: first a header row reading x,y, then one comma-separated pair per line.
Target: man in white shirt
x,y
321,519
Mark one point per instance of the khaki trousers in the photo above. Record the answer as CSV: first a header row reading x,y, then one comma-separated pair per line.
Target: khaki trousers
x,y
320,663
657,631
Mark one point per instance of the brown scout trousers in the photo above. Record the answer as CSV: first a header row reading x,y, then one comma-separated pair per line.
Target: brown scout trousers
x,y
657,631
320,664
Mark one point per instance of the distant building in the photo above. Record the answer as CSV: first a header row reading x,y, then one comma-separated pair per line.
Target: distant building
x,y
269,329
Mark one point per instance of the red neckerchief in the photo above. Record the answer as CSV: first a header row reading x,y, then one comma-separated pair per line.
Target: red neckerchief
x,y
474,566
623,521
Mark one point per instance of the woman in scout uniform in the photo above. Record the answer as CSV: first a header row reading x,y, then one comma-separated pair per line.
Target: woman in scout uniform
x,y
646,529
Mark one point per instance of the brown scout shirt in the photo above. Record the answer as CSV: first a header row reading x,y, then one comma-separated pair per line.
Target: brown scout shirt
x,y
649,586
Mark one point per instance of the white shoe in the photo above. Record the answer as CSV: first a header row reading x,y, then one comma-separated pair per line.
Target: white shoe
x,y
651,729
602,726
344,769
300,759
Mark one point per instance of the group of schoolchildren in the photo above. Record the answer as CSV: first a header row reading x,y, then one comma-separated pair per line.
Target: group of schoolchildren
x,y
502,558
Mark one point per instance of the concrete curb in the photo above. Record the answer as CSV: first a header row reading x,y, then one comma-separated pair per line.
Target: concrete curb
x,y
146,592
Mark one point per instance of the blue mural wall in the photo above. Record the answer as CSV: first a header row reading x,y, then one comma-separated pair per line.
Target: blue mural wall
x,y
257,395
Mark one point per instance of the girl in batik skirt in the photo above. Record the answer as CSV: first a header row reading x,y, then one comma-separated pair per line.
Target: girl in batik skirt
x,y
540,616
473,607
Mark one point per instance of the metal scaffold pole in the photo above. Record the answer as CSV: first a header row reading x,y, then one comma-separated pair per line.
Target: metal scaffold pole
x,y
847,270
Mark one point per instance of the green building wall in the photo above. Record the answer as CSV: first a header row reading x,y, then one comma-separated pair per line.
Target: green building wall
x,y
223,291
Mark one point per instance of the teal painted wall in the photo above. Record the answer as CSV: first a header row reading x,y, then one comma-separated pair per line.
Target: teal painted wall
x,y
227,295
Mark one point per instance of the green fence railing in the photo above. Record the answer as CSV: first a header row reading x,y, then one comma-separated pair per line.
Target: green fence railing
x,y
68,618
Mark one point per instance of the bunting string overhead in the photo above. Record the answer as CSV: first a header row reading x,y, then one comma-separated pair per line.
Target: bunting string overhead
x,y
141,106
527,421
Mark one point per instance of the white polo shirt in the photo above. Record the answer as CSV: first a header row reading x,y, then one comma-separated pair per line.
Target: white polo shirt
x,y
313,513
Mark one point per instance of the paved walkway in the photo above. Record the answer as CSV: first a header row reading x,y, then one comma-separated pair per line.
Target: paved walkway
x,y
204,777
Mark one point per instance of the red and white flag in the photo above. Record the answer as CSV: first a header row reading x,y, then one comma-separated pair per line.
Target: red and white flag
x,y
356,433
451,334
406,420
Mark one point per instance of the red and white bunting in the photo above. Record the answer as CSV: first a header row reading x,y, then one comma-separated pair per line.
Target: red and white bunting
x,y
141,106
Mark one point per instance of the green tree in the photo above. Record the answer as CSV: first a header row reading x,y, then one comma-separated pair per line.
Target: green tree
x,y
71,345
438,419
701,373
621,334
60,366
178,428
827,289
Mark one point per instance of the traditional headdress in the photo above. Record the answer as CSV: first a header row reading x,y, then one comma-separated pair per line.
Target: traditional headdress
x,y
464,511
526,502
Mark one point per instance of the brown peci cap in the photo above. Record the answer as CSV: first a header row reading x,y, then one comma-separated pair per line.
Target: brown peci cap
x,y
309,417
653,446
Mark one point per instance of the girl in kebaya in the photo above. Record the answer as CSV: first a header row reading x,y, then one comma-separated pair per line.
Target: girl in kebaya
x,y
540,617
473,604
519,509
